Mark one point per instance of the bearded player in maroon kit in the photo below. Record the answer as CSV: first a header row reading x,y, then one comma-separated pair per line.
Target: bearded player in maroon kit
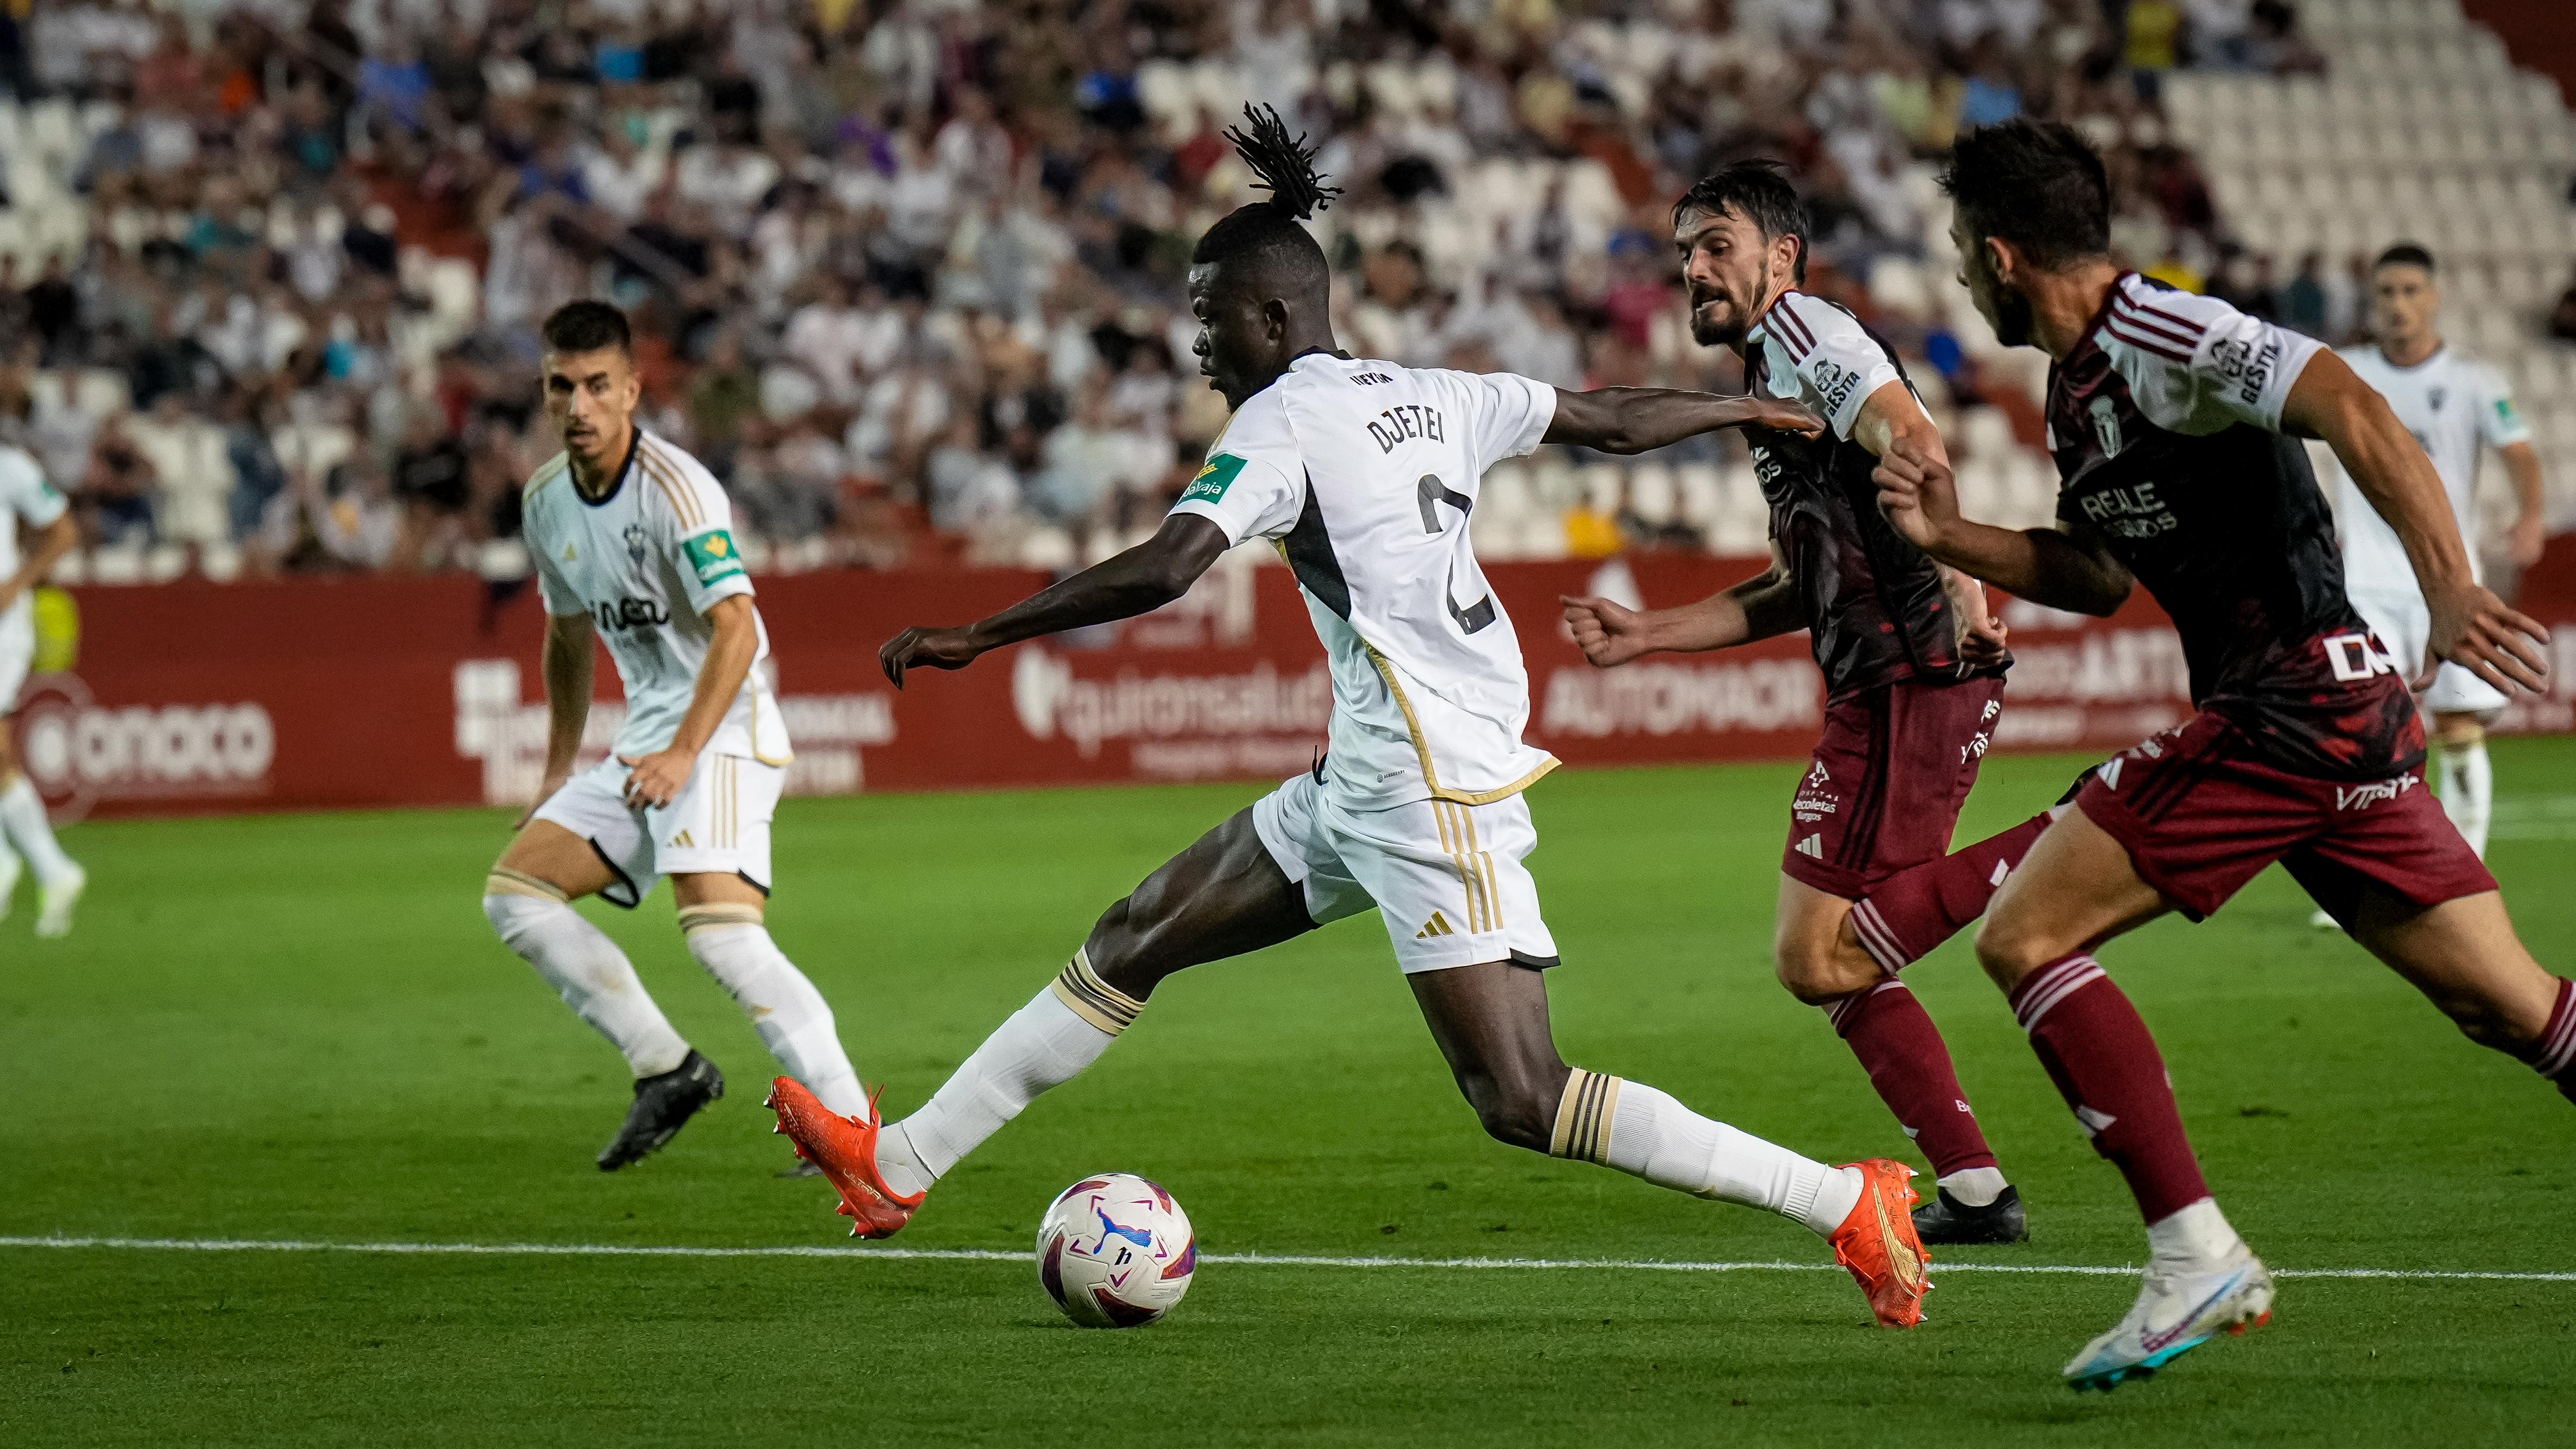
x,y
2174,421
1914,677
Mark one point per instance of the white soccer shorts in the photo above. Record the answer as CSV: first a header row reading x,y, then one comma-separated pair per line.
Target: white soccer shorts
x,y
17,655
1447,879
2403,624
717,825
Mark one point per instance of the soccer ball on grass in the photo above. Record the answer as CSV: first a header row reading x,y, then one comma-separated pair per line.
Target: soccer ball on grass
x,y
1114,1251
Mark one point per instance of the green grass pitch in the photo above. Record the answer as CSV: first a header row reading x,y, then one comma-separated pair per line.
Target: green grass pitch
x,y
301,1029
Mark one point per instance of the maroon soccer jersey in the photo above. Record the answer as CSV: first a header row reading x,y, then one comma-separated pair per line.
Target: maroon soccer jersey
x,y
2164,422
1873,602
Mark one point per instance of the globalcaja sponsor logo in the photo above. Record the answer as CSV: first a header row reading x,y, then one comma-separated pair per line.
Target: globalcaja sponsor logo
x,y
1212,481
80,753
713,555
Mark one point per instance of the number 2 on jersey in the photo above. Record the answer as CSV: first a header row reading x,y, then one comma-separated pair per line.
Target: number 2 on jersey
x,y
1431,493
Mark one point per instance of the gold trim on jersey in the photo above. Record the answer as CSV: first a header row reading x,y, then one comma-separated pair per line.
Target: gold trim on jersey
x,y
1422,746
675,487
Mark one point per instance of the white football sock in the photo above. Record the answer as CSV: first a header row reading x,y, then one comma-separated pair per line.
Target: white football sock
x,y
1650,1135
2194,1237
793,1020
588,971
1046,1043
2468,791
1974,1186
22,820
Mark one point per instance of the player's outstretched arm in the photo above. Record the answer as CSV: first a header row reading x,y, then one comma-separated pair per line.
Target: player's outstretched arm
x,y
1611,633
566,662
2066,567
659,776
1637,419
2471,626
1139,581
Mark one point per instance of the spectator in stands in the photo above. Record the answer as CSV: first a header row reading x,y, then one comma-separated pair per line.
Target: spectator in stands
x,y
115,498
429,479
2303,298
920,263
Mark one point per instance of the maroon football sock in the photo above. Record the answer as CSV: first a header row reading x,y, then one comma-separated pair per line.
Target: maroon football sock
x,y
1907,915
1909,1064
2557,1058
2107,1067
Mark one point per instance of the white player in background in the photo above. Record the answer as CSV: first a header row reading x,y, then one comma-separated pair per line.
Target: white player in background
x,y
28,502
2457,407
633,546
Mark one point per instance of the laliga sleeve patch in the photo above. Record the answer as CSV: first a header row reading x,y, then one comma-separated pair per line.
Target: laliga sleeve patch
x,y
713,556
1210,485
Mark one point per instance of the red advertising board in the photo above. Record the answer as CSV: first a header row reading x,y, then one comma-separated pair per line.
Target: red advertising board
x,y
192,698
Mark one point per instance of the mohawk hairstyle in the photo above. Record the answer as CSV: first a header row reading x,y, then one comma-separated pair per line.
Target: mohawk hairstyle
x,y
2035,184
1269,228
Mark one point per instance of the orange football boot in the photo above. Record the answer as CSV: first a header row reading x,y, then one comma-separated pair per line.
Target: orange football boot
x,y
846,1149
1877,1243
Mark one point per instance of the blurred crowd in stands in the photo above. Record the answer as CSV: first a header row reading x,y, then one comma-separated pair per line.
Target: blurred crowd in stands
x,y
908,272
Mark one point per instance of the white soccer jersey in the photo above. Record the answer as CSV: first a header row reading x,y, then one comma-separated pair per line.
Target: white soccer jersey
x,y
1815,353
26,500
646,563
2456,407
1364,473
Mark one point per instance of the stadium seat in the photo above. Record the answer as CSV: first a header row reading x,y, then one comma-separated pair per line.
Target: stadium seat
x,y
221,563
1600,485
164,563
1653,495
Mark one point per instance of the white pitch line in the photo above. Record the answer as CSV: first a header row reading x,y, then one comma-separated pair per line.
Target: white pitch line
x,y
1250,1260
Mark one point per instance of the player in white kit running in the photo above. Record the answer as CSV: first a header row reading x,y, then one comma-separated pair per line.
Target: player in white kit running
x,y
634,547
1363,474
28,502
2457,407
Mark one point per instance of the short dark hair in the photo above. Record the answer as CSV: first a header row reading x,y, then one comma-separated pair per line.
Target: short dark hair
x,y
587,326
2035,184
2405,254
1268,230
1758,192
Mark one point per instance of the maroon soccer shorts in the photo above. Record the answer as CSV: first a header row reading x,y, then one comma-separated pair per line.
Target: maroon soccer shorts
x,y
1883,790
2200,815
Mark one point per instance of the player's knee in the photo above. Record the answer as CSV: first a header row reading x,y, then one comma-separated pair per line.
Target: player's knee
x,y
2009,951
1516,1107
1121,951
1821,972
510,898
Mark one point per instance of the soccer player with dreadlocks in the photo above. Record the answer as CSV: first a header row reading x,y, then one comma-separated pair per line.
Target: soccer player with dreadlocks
x,y
1363,474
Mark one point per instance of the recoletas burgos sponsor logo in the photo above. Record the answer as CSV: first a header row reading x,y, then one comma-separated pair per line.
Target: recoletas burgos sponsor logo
x,y
80,753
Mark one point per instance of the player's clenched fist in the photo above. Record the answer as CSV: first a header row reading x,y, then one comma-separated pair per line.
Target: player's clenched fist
x,y
1917,493
1607,633
928,649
